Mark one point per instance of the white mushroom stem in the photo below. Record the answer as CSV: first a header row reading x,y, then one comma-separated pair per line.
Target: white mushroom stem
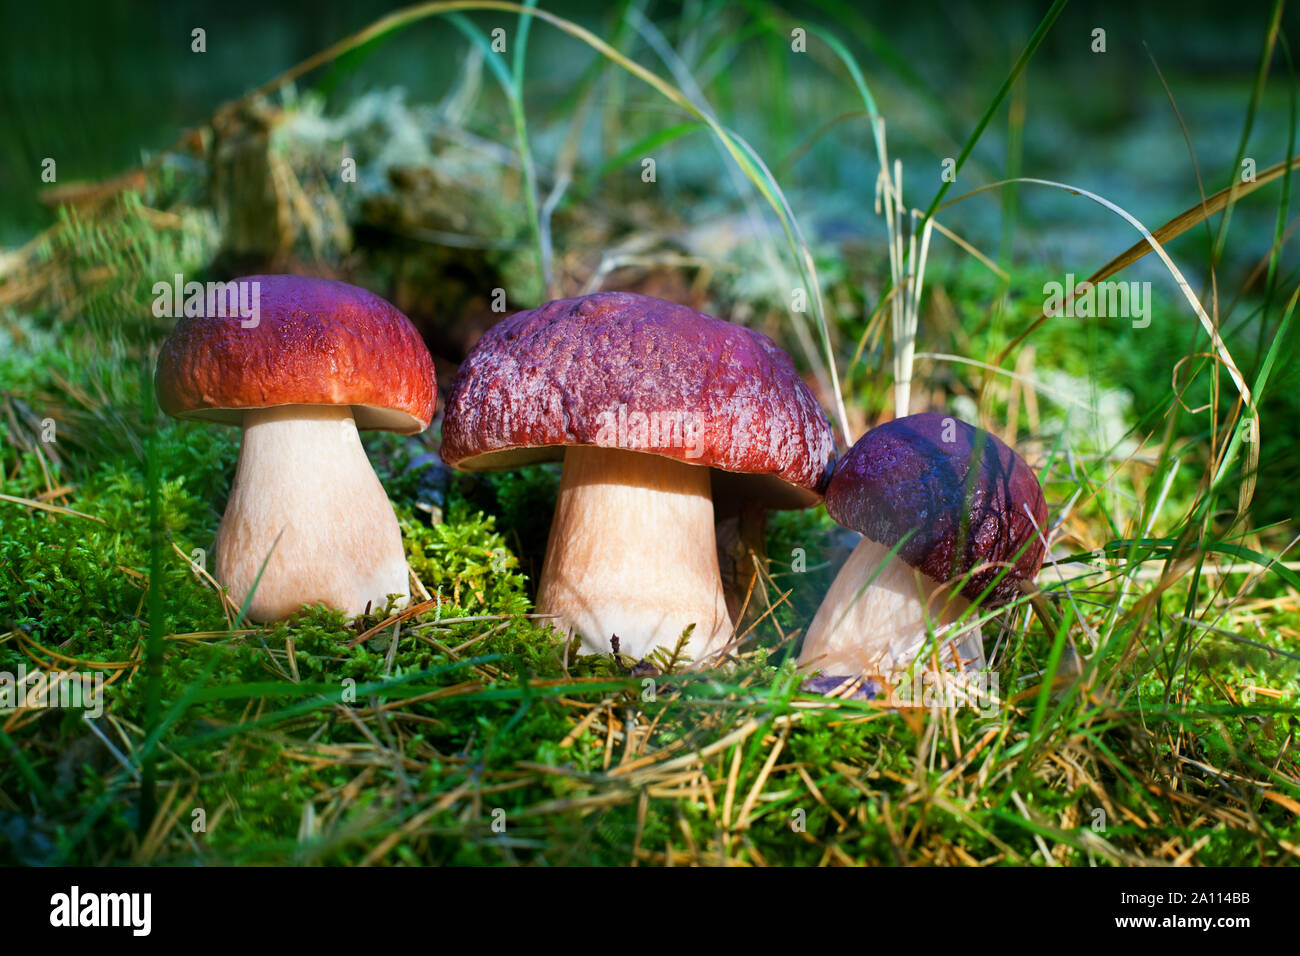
x,y
879,628
304,479
632,553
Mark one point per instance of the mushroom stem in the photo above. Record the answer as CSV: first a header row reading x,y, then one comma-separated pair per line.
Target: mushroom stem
x,y
879,628
632,553
742,539
304,478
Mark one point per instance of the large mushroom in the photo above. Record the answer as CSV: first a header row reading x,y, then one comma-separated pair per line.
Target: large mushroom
x,y
322,360
947,512
656,410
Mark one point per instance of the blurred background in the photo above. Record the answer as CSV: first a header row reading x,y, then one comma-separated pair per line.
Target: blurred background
x,y
101,85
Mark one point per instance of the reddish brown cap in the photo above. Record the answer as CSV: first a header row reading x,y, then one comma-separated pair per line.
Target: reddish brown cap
x,y
914,474
315,342
617,370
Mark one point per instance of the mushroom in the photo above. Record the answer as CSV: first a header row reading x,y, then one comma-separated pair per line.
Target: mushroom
x,y
321,360
935,537
657,410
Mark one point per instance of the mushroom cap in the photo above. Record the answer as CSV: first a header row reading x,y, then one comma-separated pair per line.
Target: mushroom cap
x,y
593,370
316,342
903,476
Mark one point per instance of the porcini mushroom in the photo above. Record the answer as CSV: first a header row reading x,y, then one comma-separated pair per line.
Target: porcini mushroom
x,y
320,360
946,512
656,409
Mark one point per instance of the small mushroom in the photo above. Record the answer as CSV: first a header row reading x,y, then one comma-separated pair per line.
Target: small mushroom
x,y
322,360
965,513
657,411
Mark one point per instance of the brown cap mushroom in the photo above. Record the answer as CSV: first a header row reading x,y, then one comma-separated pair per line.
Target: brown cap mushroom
x,y
320,360
655,409
968,512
